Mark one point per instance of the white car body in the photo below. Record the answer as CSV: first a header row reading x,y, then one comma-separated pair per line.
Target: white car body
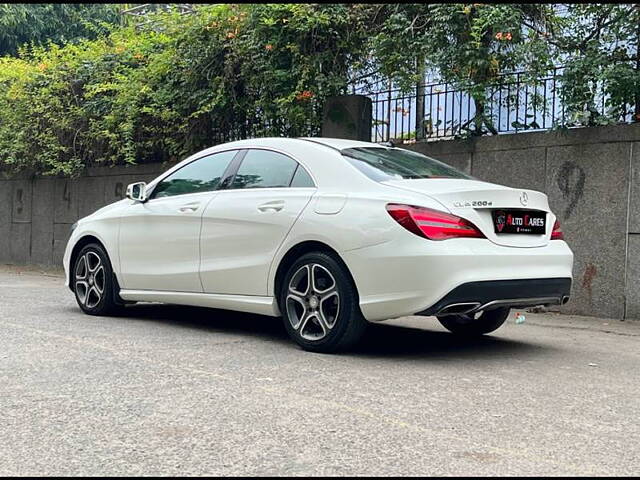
x,y
223,248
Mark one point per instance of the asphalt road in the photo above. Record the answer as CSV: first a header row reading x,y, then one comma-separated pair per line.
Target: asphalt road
x,y
171,390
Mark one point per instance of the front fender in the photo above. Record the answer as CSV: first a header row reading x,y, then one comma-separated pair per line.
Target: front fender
x,y
105,231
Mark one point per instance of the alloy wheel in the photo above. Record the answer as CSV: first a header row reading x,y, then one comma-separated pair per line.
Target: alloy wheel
x,y
90,279
313,301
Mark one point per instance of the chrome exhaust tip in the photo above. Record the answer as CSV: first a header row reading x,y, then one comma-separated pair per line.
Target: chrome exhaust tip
x,y
565,299
459,308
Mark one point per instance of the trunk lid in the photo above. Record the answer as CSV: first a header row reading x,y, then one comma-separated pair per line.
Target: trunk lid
x,y
475,201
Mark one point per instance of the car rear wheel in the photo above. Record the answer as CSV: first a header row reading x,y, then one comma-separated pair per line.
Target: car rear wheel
x,y
93,281
319,304
475,324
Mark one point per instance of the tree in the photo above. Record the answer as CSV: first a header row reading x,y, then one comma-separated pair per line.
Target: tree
x,y
472,45
38,24
178,83
468,45
599,45
175,85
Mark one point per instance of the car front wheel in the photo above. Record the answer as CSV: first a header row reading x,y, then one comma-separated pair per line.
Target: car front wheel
x,y
475,324
319,304
93,281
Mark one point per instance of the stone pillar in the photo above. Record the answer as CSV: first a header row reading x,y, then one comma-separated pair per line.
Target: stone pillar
x,y
347,116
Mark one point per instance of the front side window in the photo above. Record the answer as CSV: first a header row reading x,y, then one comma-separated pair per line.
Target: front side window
x,y
382,164
264,169
202,175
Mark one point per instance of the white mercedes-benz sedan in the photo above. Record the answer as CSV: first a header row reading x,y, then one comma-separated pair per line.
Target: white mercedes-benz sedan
x,y
330,234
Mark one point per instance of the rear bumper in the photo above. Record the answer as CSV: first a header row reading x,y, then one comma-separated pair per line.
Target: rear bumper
x,y
487,295
411,275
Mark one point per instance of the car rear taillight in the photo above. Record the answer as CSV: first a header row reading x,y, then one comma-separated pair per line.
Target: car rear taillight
x,y
432,224
556,233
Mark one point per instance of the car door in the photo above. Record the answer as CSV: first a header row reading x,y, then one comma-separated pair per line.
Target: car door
x,y
245,224
159,239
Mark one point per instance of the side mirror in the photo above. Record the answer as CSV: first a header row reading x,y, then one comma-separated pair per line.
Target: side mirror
x,y
137,191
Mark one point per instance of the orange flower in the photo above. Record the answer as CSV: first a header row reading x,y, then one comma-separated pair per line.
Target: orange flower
x,y
138,56
268,47
304,95
231,35
508,36
42,66
499,36
119,49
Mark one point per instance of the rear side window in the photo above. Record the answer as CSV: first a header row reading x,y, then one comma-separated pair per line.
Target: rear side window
x,y
301,178
264,169
202,175
382,164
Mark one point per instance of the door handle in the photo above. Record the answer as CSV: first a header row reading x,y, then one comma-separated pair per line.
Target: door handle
x,y
189,208
274,206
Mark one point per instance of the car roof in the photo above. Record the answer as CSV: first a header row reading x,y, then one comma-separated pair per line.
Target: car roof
x,y
340,143
334,143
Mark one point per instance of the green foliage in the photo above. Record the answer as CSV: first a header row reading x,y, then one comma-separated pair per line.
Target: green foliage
x,y
161,93
40,23
471,45
600,45
121,94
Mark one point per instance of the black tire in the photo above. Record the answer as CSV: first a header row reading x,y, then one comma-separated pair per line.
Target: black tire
x,y
88,277
467,325
328,328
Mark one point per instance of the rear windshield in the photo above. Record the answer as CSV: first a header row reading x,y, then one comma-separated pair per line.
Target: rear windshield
x,y
382,164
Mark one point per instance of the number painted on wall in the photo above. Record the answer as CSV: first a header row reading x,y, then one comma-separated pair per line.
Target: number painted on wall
x,y
19,201
66,195
571,179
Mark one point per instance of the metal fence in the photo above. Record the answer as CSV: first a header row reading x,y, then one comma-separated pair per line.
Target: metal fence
x,y
438,110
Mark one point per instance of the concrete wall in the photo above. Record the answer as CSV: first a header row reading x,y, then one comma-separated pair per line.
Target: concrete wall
x,y
592,178
36,214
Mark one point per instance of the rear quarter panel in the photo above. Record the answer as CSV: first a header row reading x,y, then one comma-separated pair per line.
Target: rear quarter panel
x,y
362,222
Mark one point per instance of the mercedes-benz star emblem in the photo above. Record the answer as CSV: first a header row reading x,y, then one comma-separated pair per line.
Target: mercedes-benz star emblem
x,y
524,199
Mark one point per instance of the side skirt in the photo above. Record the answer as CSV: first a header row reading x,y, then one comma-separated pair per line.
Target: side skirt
x,y
240,303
